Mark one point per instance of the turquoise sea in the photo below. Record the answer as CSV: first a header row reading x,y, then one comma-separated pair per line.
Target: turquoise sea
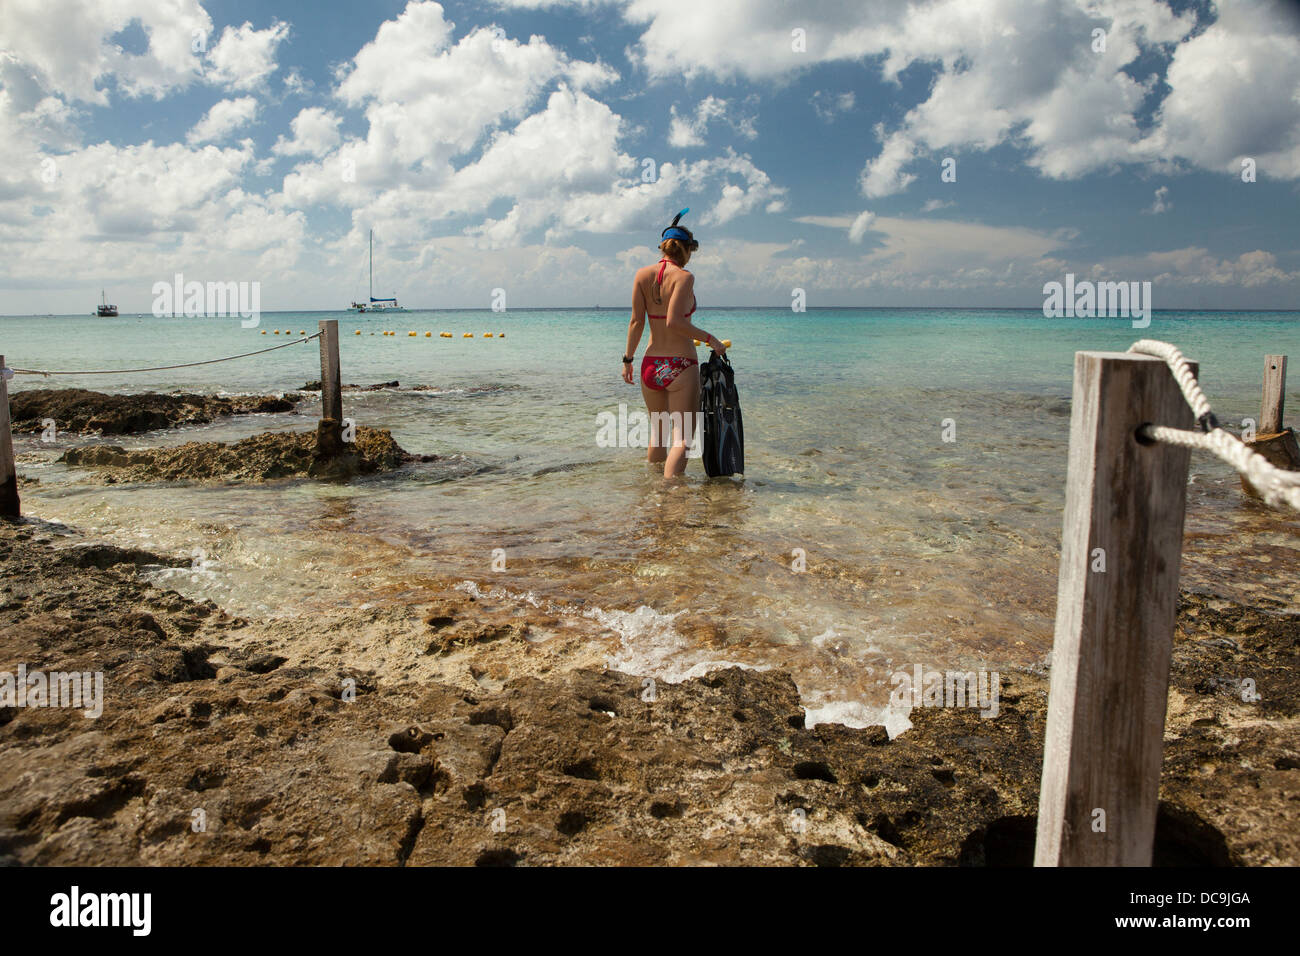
x,y
917,550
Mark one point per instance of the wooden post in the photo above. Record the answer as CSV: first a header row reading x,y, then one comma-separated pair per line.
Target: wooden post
x,y
329,434
1270,414
8,469
1117,597
331,382
1273,440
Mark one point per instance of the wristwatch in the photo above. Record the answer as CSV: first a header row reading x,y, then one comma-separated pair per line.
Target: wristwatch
x,y
626,360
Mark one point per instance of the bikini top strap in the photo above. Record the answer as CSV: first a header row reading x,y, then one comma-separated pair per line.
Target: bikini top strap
x,y
663,264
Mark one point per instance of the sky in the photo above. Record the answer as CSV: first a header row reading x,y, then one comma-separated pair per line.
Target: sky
x,y
942,153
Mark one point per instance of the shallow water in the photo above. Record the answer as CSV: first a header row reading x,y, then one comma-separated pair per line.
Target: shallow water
x,y
917,550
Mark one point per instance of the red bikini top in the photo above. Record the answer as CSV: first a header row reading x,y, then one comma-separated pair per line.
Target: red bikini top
x,y
659,280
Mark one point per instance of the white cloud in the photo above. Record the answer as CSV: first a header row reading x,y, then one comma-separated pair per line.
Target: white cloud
x,y
860,225
690,131
1236,93
66,46
744,187
828,106
561,167
315,132
409,76
243,57
1160,204
1195,266
929,247
223,119
1019,71
884,175
687,131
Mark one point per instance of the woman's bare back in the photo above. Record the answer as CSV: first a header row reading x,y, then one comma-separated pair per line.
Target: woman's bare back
x,y
657,298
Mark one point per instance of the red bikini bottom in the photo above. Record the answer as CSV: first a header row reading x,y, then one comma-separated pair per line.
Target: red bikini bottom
x,y
660,371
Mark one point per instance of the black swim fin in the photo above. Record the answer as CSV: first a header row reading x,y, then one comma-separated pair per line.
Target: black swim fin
x,y
724,429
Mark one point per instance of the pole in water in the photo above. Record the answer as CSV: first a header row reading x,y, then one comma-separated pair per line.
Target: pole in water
x,y
9,505
1274,441
1272,407
329,435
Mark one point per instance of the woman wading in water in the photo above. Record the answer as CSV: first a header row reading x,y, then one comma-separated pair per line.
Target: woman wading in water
x,y
670,372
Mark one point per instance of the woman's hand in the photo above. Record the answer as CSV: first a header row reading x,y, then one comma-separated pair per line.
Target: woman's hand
x,y
627,372
717,346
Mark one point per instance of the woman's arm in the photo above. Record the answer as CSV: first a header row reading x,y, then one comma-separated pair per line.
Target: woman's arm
x,y
635,326
684,292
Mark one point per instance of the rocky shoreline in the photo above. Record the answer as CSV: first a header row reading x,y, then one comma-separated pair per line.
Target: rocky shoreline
x,y
82,411
286,761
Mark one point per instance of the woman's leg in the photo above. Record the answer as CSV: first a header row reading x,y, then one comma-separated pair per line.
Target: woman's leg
x,y
684,406
656,403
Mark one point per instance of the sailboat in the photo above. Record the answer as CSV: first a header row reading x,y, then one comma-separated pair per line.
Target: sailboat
x,y
104,310
375,305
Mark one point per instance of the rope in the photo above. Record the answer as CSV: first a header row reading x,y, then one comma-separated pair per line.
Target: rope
x,y
160,368
1275,485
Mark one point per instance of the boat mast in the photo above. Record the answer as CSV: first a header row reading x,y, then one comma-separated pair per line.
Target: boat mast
x,y
372,265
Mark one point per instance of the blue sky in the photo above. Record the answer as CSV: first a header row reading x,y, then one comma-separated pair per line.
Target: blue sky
x,y
507,145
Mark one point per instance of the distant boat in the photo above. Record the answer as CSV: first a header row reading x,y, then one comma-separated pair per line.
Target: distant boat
x,y
375,305
104,310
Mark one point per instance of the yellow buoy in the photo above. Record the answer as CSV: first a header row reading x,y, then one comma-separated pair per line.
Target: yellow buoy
x,y
468,335
444,335
358,331
727,342
302,331
264,331
697,342
412,334
501,335
487,335
428,335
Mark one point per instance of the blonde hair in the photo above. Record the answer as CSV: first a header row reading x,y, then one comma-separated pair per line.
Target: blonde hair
x,y
675,250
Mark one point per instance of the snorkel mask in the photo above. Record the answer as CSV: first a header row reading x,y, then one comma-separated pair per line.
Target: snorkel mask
x,y
680,233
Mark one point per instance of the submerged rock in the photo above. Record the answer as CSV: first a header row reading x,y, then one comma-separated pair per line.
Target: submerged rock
x,y
81,410
262,457
314,386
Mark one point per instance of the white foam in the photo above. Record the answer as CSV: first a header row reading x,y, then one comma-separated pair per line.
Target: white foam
x,y
650,646
854,713
501,594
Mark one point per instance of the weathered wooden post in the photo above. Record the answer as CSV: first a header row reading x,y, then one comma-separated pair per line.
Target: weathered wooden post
x,y
9,507
329,434
1273,439
1121,546
1270,413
